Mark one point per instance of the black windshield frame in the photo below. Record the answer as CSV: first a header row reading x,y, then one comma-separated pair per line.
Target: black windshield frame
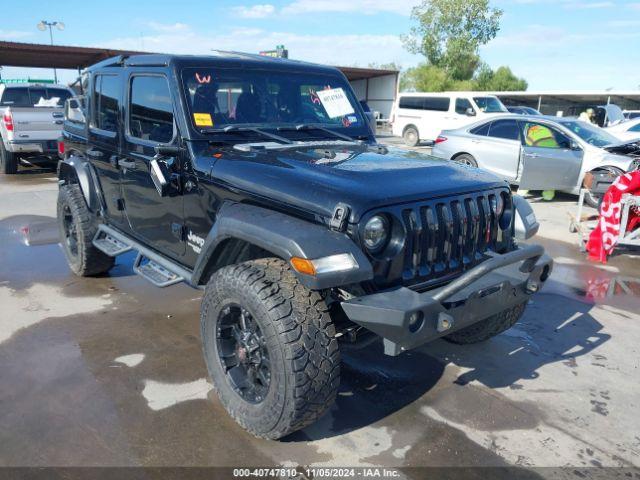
x,y
219,74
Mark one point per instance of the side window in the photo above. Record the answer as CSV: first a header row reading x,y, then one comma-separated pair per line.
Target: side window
x,y
462,104
542,136
412,103
150,109
438,104
507,129
106,102
482,130
635,128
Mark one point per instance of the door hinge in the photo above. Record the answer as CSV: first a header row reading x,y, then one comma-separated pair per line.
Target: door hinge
x,y
340,217
179,231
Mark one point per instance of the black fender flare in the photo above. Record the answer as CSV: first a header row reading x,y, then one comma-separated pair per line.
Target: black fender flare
x,y
76,169
286,237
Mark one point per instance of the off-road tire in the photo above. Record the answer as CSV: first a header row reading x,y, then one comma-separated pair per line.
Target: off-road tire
x,y
466,159
300,338
411,136
8,161
87,260
492,326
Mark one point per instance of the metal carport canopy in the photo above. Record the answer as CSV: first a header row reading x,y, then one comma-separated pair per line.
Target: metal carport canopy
x,y
18,54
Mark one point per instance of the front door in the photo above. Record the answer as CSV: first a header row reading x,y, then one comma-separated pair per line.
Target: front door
x,y
157,220
104,139
548,160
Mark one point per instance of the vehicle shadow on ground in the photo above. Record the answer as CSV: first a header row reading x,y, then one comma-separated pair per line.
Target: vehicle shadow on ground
x,y
36,166
375,386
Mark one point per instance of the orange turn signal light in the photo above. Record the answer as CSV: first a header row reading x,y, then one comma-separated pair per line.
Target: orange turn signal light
x,y
304,266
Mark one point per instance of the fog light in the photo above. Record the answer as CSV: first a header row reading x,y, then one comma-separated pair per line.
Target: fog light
x,y
445,322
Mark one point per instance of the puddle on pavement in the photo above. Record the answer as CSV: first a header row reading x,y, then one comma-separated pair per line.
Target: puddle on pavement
x,y
616,283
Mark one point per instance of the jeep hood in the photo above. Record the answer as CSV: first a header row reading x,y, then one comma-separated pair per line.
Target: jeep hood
x,y
317,179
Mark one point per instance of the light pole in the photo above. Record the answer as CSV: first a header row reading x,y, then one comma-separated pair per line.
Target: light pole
x,y
42,26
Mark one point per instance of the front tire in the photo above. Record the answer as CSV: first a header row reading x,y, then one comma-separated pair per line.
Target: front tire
x,y
77,226
8,161
485,329
270,347
594,201
411,136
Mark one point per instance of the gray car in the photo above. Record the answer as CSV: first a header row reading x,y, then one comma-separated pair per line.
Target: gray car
x,y
535,152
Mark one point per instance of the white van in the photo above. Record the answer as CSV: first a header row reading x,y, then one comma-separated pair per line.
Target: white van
x,y
422,116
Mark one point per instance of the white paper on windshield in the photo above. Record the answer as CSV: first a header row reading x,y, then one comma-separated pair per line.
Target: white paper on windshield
x,y
335,102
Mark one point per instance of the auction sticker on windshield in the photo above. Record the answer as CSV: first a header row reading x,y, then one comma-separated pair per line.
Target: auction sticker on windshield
x,y
335,102
203,119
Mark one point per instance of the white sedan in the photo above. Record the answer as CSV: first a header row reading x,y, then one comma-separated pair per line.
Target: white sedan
x,y
629,130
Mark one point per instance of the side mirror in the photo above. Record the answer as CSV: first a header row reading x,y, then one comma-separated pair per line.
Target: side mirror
x,y
573,145
160,176
73,111
470,112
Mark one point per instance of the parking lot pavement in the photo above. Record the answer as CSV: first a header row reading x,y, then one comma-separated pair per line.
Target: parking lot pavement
x,y
109,371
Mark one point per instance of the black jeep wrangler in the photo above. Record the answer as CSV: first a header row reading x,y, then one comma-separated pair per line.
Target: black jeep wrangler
x,y
260,181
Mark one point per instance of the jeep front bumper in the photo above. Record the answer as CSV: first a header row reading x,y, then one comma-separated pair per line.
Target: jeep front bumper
x,y
406,319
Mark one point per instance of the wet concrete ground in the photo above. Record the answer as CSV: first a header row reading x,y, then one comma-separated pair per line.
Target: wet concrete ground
x,y
109,372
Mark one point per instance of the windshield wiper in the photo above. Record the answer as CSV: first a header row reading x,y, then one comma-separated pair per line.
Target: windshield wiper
x,y
313,126
237,128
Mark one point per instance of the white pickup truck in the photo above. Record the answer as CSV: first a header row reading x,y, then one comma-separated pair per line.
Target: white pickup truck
x,y
31,118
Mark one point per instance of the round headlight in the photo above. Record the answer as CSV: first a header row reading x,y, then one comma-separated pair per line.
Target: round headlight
x,y
375,233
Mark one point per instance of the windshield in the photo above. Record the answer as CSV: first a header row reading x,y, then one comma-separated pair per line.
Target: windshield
x,y
490,105
219,97
591,134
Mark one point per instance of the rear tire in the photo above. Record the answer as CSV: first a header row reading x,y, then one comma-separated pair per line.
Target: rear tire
x,y
411,136
492,326
77,227
467,159
270,347
8,160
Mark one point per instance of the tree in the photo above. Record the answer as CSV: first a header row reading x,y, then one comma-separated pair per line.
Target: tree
x,y
502,80
450,32
427,78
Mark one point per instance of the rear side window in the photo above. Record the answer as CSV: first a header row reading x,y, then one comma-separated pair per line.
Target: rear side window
x,y
482,130
507,129
462,104
107,102
412,103
438,104
150,109
16,97
635,128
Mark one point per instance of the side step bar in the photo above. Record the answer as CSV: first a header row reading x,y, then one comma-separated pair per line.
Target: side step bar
x,y
159,270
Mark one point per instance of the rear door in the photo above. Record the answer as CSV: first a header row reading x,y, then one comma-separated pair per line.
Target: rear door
x,y
156,220
499,151
104,139
548,160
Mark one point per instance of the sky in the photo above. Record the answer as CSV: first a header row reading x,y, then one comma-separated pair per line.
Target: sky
x,y
553,44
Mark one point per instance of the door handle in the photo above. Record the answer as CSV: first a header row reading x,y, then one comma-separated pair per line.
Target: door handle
x,y
94,153
531,155
129,165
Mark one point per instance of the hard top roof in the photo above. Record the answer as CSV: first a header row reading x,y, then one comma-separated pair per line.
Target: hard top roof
x,y
222,58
